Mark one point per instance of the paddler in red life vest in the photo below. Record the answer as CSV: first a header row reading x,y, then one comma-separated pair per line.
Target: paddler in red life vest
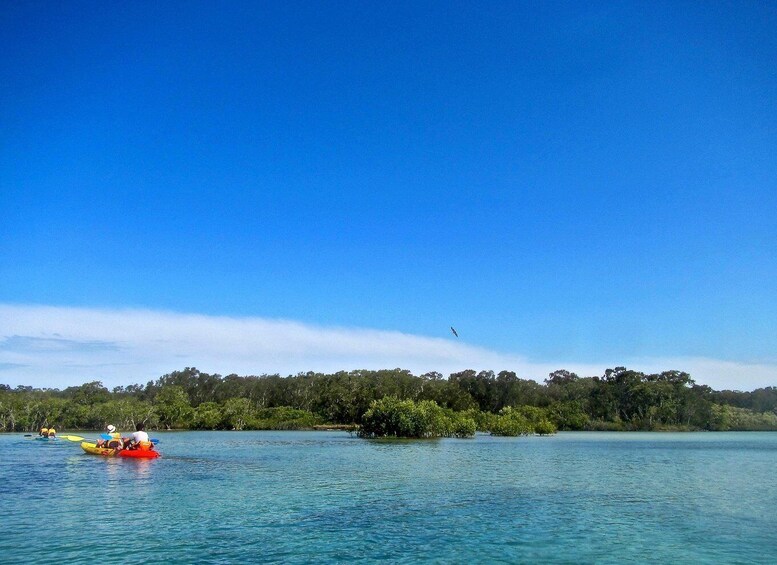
x,y
114,441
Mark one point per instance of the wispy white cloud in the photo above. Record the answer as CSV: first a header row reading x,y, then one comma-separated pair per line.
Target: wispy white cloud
x,y
60,346
717,373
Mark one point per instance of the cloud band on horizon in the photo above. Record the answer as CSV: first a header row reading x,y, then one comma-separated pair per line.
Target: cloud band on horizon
x,y
56,347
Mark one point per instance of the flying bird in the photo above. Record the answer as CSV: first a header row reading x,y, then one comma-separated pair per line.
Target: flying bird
x,y
454,331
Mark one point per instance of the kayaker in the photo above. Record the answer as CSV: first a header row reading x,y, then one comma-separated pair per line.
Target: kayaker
x,y
114,441
44,432
139,439
52,432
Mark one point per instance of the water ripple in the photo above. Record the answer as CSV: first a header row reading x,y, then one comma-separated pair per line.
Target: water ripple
x,y
328,497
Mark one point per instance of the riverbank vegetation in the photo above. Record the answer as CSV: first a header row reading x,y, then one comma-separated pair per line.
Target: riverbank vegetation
x,y
392,417
396,403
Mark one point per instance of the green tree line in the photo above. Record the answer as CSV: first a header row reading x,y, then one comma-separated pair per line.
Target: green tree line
x,y
422,406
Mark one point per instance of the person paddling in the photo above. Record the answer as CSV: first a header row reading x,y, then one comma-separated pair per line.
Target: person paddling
x,y
52,433
139,439
114,441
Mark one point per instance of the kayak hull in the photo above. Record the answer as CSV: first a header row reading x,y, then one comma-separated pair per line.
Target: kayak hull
x,y
139,453
110,452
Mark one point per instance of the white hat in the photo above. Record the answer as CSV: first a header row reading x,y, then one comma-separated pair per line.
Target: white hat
x,y
111,428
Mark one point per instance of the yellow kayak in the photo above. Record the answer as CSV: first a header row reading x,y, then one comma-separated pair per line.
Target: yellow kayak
x,y
89,447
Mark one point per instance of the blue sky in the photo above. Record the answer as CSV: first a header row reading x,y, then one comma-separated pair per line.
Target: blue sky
x,y
570,186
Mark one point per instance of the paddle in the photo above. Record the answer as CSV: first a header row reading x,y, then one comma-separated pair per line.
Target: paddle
x,y
75,438
109,437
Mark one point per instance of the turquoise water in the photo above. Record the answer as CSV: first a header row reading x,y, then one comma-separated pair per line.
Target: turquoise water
x,y
328,497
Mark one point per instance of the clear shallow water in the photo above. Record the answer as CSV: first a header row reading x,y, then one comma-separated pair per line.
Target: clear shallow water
x,y
301,497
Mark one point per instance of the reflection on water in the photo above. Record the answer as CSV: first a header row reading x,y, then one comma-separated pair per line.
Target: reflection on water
x,y
300,497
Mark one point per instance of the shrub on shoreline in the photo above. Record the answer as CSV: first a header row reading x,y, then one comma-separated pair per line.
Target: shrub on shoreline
x,y
392,417
525,420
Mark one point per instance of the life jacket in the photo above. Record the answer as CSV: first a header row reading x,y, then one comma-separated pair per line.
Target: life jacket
x,y
52,432
44,432
115,440
145,445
